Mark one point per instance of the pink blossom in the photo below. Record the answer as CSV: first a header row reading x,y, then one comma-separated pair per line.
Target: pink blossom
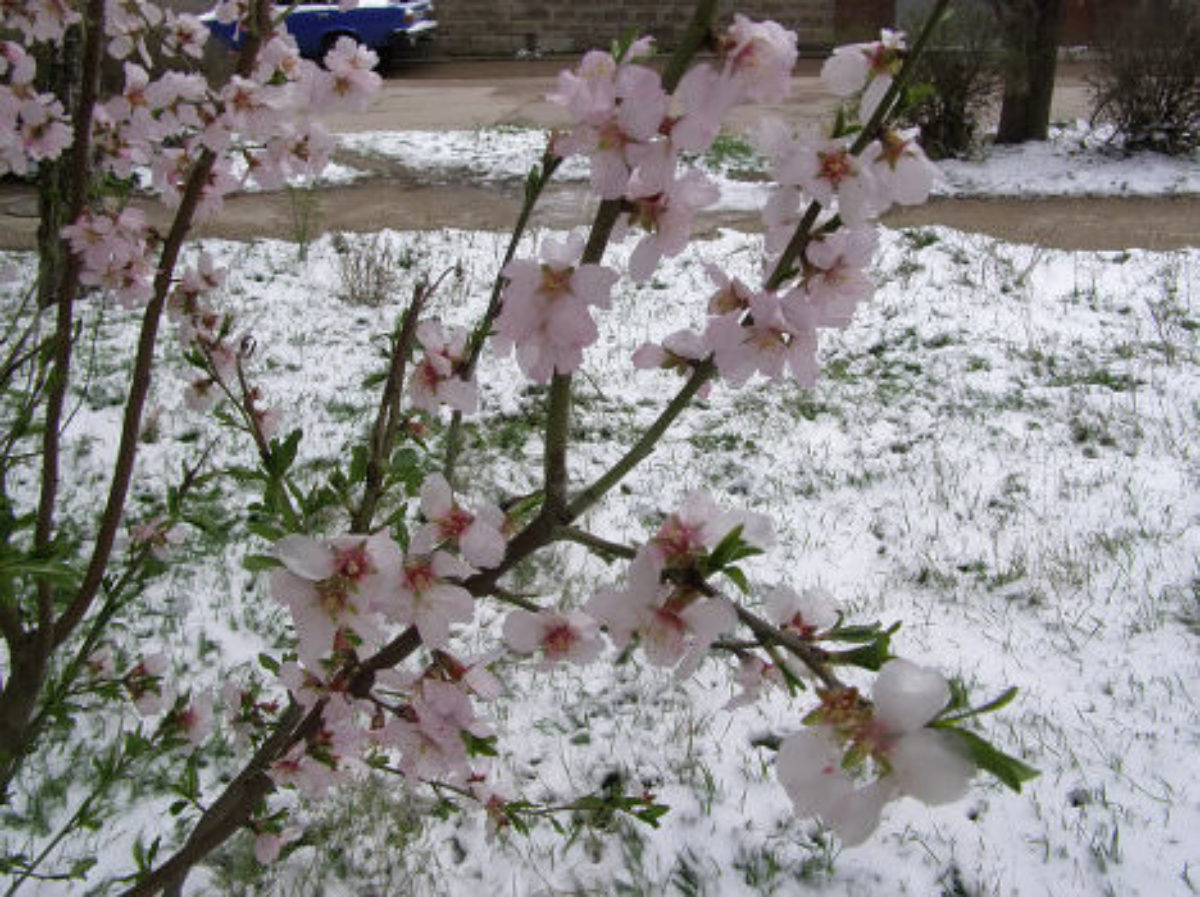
x,y
195,720
760,57
806,613
615,108
676,628
435,379
268,844
158,536
573,636
428,598
680,351
477,536
667,215
766,344
430,734
545,308
892,732
753,675
333,587
872,66
834,282
827,169
904,173
352,83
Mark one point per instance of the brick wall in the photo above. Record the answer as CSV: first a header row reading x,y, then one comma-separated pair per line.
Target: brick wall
x,y
860,20
504,27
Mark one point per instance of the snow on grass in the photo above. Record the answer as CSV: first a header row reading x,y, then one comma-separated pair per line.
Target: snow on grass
x,y
1002,455
1076,161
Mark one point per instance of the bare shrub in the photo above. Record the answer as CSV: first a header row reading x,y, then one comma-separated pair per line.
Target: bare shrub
x,y
955,81
1148,78
368,269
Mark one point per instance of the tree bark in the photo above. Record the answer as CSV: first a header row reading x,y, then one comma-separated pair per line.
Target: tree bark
x,y
1030,30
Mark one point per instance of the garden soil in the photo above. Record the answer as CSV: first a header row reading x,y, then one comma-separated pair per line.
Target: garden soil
x,y
463,95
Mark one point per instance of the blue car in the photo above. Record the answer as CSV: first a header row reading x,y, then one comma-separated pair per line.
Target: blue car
x,y
389,27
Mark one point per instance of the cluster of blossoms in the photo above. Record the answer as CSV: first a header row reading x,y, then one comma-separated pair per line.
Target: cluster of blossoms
x,y
663,603
33,126
345,597
633,132
436,379
209,337
773,330
162,129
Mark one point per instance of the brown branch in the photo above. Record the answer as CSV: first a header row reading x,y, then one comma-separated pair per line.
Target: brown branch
x,y
236,804
387,419
144,361
77,184
811,656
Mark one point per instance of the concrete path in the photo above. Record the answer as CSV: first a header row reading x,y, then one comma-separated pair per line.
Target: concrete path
x,y
464,95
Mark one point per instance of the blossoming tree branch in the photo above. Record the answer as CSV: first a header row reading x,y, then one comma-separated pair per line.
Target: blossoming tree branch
x,y
377,577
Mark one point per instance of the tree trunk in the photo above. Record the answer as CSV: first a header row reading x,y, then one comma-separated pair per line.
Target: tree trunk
x,y
1030,29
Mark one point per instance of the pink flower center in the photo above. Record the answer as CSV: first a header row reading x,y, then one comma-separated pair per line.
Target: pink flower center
x,y
419,576
678,540
455,523
556,281
333,597
558,641
353,563
835,167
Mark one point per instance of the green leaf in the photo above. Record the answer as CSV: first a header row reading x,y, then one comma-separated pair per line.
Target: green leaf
x,y
256,563
358,464
50,571
480,747
1009,770
728,551
269,663
869,657
853,634
651,814
738,578
265,530
1006,698
283,452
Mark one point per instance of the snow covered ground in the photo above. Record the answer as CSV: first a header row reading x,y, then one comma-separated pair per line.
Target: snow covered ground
x,y
1077,161
1002,455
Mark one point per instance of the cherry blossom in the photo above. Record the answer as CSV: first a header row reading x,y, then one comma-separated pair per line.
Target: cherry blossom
x,y
902,170
667,216
892,733
759,56
477,536
545,308
573,636
675,625
334,587
428,598
853,67
827,169
752,676
805,613
435,380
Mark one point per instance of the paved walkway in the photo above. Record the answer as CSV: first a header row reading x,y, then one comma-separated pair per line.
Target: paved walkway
x,y
463,95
